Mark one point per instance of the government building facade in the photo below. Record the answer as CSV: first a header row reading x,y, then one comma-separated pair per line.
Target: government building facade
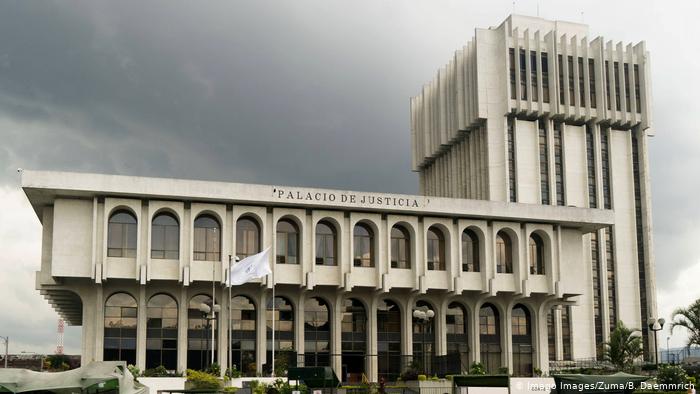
x,y
530,238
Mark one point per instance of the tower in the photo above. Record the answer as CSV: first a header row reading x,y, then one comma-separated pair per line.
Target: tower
x,y
535,111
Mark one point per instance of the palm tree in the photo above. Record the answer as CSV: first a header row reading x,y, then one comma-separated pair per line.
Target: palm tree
x,y
690,319
624,347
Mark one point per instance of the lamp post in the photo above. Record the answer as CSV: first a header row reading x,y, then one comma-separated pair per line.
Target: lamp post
x,y
7,342
656,325
209,314
668,349
423,315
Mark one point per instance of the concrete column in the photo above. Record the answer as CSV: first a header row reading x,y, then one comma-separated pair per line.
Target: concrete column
x,y
222,321
299,326
474,339
182,330
371,364
99,323
558,339
507,339
261,332
141,329
540,345
336,339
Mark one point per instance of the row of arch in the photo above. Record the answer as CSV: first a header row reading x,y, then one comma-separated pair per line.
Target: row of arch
x,y
121,320
165,243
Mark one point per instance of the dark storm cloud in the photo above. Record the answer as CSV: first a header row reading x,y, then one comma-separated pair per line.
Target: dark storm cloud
x,y
297,92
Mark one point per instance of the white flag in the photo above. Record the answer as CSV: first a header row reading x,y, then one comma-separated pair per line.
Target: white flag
x,y
251,267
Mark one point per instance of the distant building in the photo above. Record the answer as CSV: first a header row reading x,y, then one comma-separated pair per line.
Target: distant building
x,y
517,244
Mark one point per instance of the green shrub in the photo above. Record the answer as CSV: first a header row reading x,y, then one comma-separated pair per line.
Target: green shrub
x,y
230,389
214,369
157,372
671,374
477,368
503,371
203,380
422,378
134,370
233,372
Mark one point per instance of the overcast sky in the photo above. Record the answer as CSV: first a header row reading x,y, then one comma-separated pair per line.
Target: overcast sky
x,y
309,93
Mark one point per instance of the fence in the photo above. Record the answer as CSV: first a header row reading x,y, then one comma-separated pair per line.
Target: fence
x,y
390,366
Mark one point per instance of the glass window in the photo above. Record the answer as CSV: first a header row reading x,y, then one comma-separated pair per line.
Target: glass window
x,y
591,81
424,338
207,238
523,75
559,164
490,338
317,333
456,324
161,334
326,244
522,341
545,77
470,251
504,254
247,237
511,63
284,330
165,237
400,247
199,334
389,340
353,340
536,250
121,234
511,160
436,249
120,317
544,161
243,329
287,242
533,75
363,243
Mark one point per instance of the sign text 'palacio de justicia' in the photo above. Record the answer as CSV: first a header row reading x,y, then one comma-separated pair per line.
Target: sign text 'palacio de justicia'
x,y
359,199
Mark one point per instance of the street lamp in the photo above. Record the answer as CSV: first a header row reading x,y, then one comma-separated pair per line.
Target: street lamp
x,y
7,342
656,325
668,350
209,314
423,314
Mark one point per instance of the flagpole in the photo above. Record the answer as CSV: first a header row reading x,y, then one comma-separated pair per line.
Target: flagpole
x,y
213,313
273,324
228,335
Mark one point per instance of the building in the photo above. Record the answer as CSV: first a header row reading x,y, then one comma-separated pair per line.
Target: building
x,y
539,112
511,281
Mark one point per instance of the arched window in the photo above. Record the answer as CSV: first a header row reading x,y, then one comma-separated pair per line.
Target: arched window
x,y
317,333
504,253
457,333
326,244
424,337
536,249
363,242
121,234
400,247
470,251
247,237
284,331
199,334
165,237
490,338
207,238
243,328
522,341
121,313
354,340
436,249
161,335
287,242
389,340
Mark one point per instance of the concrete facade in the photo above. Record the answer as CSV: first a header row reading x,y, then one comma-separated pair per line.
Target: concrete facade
x,y
77,276
541,112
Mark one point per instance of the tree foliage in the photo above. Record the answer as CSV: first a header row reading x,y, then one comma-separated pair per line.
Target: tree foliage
x,y
689,318
624,347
